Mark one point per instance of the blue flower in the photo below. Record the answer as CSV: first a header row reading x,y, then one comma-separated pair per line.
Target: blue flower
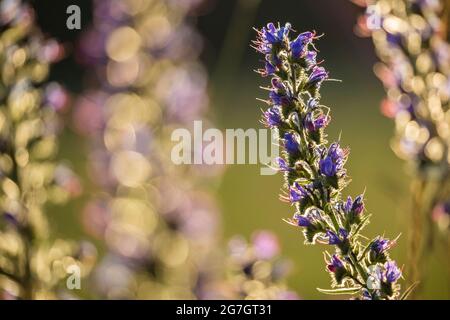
x,y
335,239
291,143
269,69
348,205
303,221
297,193
315,124
358,205
280,93
333,162
317,76
272,117
328,167
392,272
355,207
300,44
343,233
336,153
335,264
271,35
380,245
282,165
311,59
279,98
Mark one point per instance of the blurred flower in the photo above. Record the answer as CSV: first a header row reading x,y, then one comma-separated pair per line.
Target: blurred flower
x,y
415,71
32,265
160,228
410,38
256,270
266,245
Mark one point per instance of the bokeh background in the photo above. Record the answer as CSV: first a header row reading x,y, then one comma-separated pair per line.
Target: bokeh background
x,y
249,201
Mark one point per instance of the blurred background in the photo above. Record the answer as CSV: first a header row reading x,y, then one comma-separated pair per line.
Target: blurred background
x,y
249,201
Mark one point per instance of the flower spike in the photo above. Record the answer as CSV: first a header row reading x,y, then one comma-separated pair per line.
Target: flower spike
x,y
314,171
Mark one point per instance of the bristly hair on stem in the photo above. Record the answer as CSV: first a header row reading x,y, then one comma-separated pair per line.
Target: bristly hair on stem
x,y
314,170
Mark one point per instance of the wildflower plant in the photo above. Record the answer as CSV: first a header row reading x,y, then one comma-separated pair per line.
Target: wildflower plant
x,y
410,39
411,42
314,170
31,264
159,226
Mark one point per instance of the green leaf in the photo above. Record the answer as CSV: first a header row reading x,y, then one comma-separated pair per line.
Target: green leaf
x,y
340,290
409,290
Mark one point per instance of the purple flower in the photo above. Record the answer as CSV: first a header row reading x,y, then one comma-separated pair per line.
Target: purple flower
x,y
279,98
336,153
328,167
380,245
280,94
282,165
311,59
272,117
270,36
315,124
334,239
355,207
358,205
303,221
297,193
348,205
300,44
335,264
277,84
392,272
291,143
317,76
269,69
333,162
343,233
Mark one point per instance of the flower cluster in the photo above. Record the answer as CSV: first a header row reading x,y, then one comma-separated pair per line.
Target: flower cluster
x,y
31,264
315,175
159,227
256,270
409,37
